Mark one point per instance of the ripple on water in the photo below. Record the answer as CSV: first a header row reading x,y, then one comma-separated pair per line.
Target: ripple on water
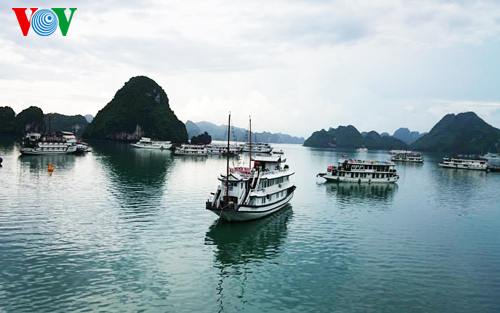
x,y
123,230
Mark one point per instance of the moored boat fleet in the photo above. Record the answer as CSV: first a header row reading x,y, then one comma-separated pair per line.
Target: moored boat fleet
x,y
57,143
262,183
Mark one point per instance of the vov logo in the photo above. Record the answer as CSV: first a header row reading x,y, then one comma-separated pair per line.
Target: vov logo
x,y
44,22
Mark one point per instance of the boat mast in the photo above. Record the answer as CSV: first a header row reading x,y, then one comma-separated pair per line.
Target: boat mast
x,y
227,156
250,141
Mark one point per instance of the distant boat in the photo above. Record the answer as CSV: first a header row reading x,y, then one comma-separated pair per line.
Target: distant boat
x,y
147,143
192,150
394,152
492,158
81,147
257,147
36,144
362,149
256,191
221,149
408,157
361,171
465,163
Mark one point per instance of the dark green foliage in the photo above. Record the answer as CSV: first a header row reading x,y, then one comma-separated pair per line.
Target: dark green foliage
x,y
464,133
7,121
349,137
202,139
139,108
219,132
30,120
59,122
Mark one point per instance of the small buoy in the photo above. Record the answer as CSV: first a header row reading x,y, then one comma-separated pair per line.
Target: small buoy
x,y
50,168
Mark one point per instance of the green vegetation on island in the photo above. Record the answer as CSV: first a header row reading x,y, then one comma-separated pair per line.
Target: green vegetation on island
x,y
464,133
30,120
7,121
139,109
202,139
59,122
349,137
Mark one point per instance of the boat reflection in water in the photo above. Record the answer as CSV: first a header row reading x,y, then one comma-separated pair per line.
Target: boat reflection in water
x,y
136,177
238,246
349,193
39,163
239,243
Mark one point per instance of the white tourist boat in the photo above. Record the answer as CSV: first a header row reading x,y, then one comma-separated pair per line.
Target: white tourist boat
x,y
493,161
492,158
221,149
466,164
394,152
361,171
81,147
408,157
193,150
362,149
256,191
147,143
257,147
36,144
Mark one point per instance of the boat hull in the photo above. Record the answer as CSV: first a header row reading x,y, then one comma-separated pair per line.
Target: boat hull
x,y
248,213
162,147
45,152
464,167
340,179
408,160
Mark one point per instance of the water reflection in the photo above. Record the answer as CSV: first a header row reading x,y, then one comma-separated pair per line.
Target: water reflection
x,y
137,177
7,144
39,163
351,193
239,243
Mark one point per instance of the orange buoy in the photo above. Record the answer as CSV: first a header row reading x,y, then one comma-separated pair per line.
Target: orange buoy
x,y
50,168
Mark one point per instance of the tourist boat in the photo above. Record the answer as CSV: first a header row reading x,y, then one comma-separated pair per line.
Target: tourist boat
x,y
465,163
147,143
81,147
361,171
256,191
492,158
257,147
362,149
394,152
280,151
36,144
221,149
493,161
408,156
193,150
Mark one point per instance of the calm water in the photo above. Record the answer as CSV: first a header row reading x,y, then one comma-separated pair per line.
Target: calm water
x,y
126,230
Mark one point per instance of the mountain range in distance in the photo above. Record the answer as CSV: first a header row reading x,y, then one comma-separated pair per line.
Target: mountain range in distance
x,y
463,133
219,132
141,108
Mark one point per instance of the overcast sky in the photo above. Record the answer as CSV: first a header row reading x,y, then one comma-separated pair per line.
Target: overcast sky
x,y
295,66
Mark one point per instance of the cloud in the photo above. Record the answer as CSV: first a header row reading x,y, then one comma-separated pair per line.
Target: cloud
x,y
367,63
